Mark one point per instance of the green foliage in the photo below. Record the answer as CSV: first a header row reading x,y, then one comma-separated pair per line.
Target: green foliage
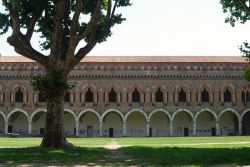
x,y
50,84
235,11
45,11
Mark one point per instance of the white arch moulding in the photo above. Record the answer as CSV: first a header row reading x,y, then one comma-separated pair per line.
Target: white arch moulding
x,y
3,115
112,110
72,112
183,110
244,112
136,110
88,110
231,110
159,110
37,111
206,110
18,110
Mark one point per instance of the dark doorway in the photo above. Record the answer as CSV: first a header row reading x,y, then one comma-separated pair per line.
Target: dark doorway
x,y
213,131
246,124
41,131
89,131
186,132
111,132
150,132
9,128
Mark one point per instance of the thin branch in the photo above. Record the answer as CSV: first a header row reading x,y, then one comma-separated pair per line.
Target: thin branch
x,y
246,8
31,26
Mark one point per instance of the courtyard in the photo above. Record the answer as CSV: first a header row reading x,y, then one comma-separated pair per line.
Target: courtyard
x,y
162,151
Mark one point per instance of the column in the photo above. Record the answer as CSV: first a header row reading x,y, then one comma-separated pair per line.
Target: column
x,y
30,128
171,128
6,127
194,127
124,129
77,128
100,129
240,127
71,99
217,128
148,126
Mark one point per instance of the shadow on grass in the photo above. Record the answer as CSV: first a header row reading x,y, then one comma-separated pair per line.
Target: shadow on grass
x,y
179,156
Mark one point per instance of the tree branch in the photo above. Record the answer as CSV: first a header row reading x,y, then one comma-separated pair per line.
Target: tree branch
x,y
31,26
246,8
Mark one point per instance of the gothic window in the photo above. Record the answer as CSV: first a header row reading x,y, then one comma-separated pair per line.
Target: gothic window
x,y
182,96
67,97
19,96
243,96
112,96
41,98
227,96
159,96
247,97
135,96
204,96
89,96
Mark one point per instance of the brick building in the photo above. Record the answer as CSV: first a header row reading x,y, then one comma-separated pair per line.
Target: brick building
x,y
133,96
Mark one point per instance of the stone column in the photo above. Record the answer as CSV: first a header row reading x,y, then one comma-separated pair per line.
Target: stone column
x,y
6,127
148,126
217,128
100,129
71,97
30,128
194,127
171,128
25,97
77,128
240,127
124,129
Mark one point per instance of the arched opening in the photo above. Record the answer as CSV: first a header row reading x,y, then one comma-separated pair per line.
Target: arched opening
x,y
227,96
112,96
136,96
89,125
182,96
2,124
229,124
159,124
206,124
246,124
38,123
243,96
69,124
41,98
136,125
112,125
204,96
19,96
67,97
247,96
182,124
18,123
159,96
89,96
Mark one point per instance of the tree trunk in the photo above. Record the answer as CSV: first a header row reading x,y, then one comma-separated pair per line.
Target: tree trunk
x,y
54,125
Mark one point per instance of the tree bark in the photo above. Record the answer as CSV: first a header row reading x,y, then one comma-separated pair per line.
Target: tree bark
x,y
54,126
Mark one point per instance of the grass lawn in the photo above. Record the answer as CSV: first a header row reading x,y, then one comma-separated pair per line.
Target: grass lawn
x,y
177,151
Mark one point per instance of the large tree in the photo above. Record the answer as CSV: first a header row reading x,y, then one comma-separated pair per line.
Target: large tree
x,y
62,25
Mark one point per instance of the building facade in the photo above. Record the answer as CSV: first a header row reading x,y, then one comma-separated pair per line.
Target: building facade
x,y
133,96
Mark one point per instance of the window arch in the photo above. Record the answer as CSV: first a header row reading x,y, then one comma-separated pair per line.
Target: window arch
x,y
67,97
112,96
19,96
41,98
89,96
204,96
159,95
136,96
227,96
182,96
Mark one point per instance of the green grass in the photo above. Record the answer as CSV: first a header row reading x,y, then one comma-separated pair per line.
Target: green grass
x,y
177,151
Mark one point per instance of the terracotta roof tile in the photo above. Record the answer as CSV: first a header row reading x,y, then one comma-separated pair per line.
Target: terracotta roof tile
x,y
145,59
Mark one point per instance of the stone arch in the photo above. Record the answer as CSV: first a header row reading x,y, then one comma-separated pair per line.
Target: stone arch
x,y
180,110
159,110
22,86
243,113
112,86
231,110
184,87
92,87
88,110
72,112
229,86
3,115
37,111
112,110
140,88
18,110
206,86
205,110
136,110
